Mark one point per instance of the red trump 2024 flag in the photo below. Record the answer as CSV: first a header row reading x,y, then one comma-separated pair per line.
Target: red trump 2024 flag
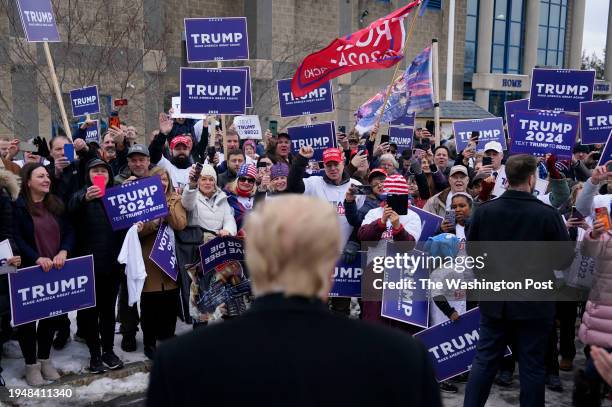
x,y
378,46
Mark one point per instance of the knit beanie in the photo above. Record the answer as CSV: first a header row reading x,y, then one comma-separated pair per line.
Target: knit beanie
x,y
208,171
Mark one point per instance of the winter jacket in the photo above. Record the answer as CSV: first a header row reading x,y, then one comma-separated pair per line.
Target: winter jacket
x,y
437,203
212,214
94,233
355,216
323,188
596,327
225,178
590,198
157,280
23,233
241,206
9,190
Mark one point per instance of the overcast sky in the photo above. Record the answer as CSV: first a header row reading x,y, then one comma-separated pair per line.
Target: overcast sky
x,y
595,26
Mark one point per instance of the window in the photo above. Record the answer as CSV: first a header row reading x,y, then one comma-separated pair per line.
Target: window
x,y
497,99
471,45
435,4
552,27
508,28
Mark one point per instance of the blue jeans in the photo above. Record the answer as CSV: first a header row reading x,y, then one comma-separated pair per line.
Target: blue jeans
x,y
530,337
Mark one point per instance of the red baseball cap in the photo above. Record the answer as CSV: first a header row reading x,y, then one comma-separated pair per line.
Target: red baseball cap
x,y
332,154
182,139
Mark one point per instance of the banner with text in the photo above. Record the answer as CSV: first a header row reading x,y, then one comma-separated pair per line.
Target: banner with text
x,y
400,301
84,101
38,295
38,21
488,129
595,121
560,89
176,112
216,39
248,127
319,100
318,136
511,107
213,91
139,200
401,136
249,94
451,346
221,250
539,133
347,279
163,252
92,133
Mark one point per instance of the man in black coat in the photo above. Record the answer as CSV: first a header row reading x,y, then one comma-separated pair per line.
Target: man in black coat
x,y
289,349
521,238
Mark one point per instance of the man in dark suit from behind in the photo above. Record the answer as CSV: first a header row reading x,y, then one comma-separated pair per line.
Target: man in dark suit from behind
x,y
521,237
289,349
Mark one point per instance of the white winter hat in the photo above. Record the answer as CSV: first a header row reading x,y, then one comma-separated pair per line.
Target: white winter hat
x,y
208,171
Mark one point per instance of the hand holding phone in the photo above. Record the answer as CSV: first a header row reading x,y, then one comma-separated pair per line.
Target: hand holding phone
x,y
450,217
602,215
69,151
194,176
100,182
362,189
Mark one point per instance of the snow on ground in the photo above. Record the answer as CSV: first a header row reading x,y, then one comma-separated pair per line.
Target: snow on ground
x,y
74,359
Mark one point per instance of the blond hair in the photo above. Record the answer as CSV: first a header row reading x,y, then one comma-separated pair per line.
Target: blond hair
x,y
292,245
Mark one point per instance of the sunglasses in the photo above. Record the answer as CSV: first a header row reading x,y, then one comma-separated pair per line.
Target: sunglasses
x,y
245,179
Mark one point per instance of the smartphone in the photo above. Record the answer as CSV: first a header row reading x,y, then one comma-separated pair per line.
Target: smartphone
x,y
342,129
29,147
113,120
450,217
475,136
198,170
576,214
430,125
362,189
602,214
69,151
274,127
487,160
384,138
399,203
210,152
100,182
361,148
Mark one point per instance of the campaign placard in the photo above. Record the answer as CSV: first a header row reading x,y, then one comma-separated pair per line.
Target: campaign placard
x,y
38,20
401,136
451,345
216,39
141,200
163,251
347,278
319,100
92,133
249,95
318,136
488,129
213,91
539,133
405,120
560,89
221,250
511,107
84,101
36,295
409,302
606,154
6,252
595,121
248,127
176,112
430,224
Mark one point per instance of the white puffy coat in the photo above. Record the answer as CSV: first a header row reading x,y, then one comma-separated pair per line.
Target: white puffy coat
x,y
213,214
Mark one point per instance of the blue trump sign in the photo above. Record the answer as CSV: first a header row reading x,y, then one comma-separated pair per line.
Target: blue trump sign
x,y
92,133
511,107
404,298
347,279
595,121
216,39
488,130
213,91
405,120
141,200
320,100
163,251
430,224
539,133
84,101
560,89
606,154
221,250
38,295
401,136
318,136
451,345
249,95
38,20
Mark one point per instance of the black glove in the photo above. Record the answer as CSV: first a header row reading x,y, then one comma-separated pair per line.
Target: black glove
x,y
350,252
433,167
43,147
